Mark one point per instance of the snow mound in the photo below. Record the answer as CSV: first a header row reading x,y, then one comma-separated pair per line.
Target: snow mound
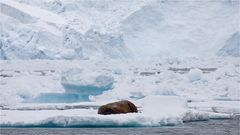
x,y
195,75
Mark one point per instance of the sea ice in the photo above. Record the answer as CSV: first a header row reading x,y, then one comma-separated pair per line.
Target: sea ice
x,y
157,111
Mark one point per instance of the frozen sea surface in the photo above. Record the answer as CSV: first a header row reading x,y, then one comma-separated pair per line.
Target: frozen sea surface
x,y
211,127
193,90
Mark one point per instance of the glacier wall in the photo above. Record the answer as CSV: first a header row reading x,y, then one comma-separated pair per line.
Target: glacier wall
x,y
61,29
52,38
181,28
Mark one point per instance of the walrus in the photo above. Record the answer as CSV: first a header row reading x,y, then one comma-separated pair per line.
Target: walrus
x,y
119,107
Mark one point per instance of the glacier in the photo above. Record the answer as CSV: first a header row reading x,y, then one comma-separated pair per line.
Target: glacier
x,y
178,61
60,29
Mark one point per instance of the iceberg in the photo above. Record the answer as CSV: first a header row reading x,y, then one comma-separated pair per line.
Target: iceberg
x,y
79,84
86,81
195,75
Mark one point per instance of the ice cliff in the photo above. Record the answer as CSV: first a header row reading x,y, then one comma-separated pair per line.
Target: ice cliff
x,y
62,29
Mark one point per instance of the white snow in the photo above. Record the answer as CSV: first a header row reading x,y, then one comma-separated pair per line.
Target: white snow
x,y
159,106
228,106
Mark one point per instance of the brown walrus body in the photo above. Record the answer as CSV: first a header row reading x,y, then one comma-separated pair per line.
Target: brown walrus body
x,y
124,106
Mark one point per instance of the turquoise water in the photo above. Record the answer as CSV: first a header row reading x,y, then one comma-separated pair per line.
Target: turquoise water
x,y
73,93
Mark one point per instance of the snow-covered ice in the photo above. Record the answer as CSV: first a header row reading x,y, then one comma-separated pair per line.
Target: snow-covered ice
x,y
164,96
153,115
